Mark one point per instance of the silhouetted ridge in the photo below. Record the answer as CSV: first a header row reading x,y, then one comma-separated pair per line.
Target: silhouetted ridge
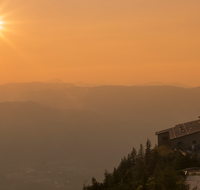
x,y
33,132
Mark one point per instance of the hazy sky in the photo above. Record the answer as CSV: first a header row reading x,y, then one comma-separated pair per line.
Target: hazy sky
x,y
100,41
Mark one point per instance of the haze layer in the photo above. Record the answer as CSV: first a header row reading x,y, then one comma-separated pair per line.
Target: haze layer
x,y
100,41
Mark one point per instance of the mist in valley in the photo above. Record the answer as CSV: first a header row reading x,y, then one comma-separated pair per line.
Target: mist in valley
x,y
58,136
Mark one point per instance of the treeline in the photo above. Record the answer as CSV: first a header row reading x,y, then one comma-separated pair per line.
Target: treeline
x,y
148,169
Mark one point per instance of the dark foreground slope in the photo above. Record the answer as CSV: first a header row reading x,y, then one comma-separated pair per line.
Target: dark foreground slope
x,y
32,132
46,148
149,169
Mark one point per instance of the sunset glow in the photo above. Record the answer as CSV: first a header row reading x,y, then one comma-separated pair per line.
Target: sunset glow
x,y
83,82
113,42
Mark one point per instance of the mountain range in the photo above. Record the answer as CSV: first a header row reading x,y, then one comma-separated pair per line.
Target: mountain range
x,y
128,115
87,126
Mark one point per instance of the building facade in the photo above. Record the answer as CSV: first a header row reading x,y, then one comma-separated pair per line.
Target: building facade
x,y
184,136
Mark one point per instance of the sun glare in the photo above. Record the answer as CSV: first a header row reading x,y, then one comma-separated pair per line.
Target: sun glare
x,y
5,30
1,24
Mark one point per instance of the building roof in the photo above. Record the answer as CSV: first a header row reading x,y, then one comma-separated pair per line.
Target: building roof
x,y
183,129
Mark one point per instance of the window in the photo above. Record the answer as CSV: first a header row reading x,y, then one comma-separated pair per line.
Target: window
x,y
194,142
180,145
165,138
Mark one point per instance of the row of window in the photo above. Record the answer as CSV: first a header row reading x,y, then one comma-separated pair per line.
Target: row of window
x,y
167,138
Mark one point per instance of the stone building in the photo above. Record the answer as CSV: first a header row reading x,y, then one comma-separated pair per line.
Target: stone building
x,y
184,136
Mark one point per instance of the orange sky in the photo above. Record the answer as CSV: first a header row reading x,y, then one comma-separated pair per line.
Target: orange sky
x,y
100,41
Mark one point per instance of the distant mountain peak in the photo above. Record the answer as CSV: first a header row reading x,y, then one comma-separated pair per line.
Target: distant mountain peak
x,y
56,80
83,84
158,83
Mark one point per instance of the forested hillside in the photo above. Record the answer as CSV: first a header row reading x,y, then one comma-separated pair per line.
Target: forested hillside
x,y
148,169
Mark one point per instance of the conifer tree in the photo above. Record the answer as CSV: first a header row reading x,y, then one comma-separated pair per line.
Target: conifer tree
x,y
152,169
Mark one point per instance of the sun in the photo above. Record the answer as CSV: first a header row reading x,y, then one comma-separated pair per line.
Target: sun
x,y
3,27
1,23
6,29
